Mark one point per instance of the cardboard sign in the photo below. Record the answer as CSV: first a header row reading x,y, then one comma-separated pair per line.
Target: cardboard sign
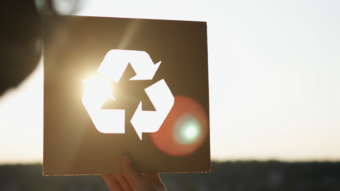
x,y
117,85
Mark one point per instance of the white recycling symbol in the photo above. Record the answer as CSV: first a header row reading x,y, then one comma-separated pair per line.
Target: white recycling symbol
x,y
98,91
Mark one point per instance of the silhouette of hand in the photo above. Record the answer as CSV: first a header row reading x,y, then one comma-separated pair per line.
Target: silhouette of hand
x,y
132,179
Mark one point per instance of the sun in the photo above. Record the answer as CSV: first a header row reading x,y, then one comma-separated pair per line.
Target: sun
x,y
99,85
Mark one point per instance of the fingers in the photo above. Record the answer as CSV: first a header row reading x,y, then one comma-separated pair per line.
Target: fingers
x,y
133,177
132,174
124,183
117,182
155,179
112,183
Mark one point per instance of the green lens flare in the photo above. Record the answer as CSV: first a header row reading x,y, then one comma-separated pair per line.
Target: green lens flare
x,y
187,129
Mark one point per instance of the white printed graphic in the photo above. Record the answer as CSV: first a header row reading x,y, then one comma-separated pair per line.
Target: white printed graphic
x,y
116,61
105,120
150,121
99,90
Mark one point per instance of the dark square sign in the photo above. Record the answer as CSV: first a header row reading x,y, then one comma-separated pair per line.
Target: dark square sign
x,y
118,85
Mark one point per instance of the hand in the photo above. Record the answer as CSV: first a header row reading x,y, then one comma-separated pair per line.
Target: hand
x,y
132,179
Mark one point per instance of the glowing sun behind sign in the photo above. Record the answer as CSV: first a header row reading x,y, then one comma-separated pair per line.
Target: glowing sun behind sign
x,y
99,90
105,120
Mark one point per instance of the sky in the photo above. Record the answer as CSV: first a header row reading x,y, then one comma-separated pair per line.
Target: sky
x,y
274,79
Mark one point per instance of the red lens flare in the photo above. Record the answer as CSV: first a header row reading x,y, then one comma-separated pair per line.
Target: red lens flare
x,y
184,130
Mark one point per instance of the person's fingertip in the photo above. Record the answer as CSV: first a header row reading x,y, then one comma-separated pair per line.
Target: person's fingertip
x,y
155,179
131,172
127,159
124,182
112,182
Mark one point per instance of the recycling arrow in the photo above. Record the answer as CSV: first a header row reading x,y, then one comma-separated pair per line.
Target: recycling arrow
x,y
150,121
98,91
116,61
105,120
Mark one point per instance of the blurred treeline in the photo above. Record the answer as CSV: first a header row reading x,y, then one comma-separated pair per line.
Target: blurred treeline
x,y
228,176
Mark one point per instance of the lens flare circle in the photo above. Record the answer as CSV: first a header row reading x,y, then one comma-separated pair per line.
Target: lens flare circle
x,y
185,129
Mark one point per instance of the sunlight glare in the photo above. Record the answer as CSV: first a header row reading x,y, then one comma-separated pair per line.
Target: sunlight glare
x,y
99,85
105,120
187,129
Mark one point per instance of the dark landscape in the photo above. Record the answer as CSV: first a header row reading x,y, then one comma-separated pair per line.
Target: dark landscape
x,y
226,176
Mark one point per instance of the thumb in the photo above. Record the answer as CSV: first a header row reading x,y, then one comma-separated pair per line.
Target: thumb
x,y
130,171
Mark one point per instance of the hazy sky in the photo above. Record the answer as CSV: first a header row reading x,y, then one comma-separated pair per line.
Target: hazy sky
x,y
274,76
